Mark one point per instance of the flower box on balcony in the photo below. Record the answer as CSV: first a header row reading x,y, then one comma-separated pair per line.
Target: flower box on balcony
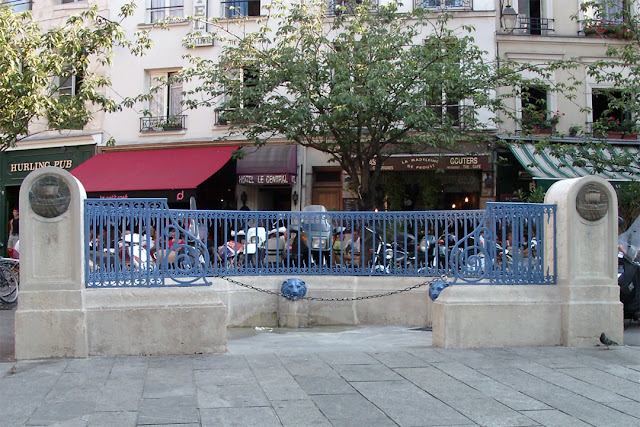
x,y
609,30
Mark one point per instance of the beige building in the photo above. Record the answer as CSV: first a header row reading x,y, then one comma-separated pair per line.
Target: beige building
x,y
544,31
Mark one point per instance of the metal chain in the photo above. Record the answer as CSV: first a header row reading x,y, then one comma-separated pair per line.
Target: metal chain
x,y
386,294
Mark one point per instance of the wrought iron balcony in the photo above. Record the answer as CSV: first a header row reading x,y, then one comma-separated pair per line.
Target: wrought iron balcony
x,y
162,123
612,29
344,6
444,4
533,26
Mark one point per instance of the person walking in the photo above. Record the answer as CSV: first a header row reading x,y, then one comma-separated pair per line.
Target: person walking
x,y
14,229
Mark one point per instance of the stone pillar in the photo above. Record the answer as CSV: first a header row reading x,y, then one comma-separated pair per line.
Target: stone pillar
x,y
50,320
586,246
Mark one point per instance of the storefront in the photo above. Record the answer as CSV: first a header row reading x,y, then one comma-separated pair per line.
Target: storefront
x,y
177,174
267,177
432,181
16,164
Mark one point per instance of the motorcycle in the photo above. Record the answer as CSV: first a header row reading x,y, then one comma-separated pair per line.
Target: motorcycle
x,y
313,236
629,269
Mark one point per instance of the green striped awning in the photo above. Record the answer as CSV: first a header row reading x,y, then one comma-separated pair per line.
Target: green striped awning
x,y
541,164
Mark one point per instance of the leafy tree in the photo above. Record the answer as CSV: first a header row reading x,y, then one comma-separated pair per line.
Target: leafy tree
x,y
35,61
361,86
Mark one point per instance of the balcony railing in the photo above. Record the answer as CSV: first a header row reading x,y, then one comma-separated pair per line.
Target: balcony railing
x,y
162,123
444,4
533,26
141,242
614,29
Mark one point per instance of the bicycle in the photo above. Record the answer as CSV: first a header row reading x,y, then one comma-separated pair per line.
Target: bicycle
x,y
9,279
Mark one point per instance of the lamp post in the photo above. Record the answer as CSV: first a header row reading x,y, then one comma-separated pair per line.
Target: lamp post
x,y
509,18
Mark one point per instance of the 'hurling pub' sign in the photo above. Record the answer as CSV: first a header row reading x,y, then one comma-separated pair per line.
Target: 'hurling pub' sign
x,y
31,166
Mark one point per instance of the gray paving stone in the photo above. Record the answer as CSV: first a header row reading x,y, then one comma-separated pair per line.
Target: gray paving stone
x,y
169,410
600,379
91,364
554,418
430,355
408,405
559,378
239,417
129,367
486,411
351,410
572,404
120,419
508,396
230,396
460,371
400,359
121,394
628,407
161,383
323,385
49,413
348,358
300,413
438,383
282,388
377,372
308,365
225,376
219,361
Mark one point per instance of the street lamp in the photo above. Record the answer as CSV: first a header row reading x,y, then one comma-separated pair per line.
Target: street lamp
x,y
509,18
294,197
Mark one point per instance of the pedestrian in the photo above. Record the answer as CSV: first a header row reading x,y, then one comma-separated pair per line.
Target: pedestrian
x,y
14,229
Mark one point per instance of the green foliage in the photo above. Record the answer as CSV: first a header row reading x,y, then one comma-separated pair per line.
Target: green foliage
x,y
628,201
535,196
33,61
359,86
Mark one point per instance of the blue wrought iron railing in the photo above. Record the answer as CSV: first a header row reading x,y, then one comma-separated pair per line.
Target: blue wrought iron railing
x,y
141,242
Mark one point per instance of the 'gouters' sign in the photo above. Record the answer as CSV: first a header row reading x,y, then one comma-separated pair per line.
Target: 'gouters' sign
x,y
267,179
430,162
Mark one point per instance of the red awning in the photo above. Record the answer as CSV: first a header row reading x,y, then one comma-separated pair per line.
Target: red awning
x,y
179,168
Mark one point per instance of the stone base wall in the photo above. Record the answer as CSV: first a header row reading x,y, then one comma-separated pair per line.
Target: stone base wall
x,y
155,321
249,308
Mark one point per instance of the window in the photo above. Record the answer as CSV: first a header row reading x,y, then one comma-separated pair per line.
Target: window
x,y
232,9
71,112
250,79
161,9
69,86
607,116
533,103
530,18
165,106
614,11
18,5
445,4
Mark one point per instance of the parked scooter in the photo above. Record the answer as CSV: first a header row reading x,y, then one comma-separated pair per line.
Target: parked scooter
x,y
313,236
629,269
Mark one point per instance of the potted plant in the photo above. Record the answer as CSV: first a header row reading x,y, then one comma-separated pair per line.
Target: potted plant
x,y
574,130
172,123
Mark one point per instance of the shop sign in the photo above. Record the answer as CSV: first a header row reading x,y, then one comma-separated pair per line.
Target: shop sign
x,y
434,162
31,166
266,179
170,195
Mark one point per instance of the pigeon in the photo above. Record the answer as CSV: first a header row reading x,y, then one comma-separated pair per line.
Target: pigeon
x,y
606,340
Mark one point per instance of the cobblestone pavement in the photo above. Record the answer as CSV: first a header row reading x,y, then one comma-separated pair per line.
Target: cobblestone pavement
x,y
371,376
